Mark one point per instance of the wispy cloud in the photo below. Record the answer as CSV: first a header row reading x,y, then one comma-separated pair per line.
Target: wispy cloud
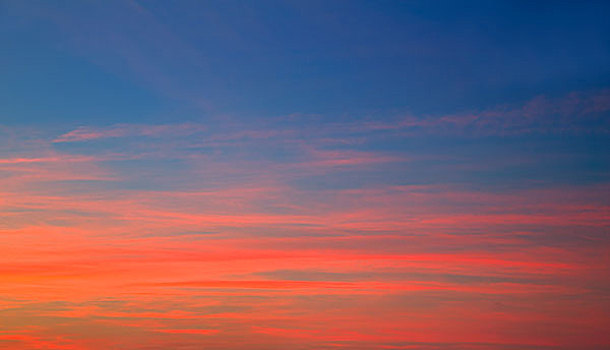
x,y
185,232
129,130
577,112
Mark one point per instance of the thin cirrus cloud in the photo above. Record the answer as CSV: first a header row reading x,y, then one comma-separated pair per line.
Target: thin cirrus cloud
x,y
577,112
198,264
86,133
334,176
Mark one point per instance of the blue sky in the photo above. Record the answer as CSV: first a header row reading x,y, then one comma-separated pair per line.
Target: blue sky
x,y
128,62
304,174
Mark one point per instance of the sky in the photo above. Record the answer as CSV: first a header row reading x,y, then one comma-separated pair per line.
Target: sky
x,y
304,175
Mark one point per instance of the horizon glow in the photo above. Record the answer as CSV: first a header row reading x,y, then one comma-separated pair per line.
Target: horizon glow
x,y
304,175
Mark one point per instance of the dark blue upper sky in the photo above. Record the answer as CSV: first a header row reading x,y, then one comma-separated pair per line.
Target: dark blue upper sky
x,y
107,62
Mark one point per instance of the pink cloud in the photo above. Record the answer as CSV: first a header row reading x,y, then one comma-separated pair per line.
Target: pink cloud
x,y
540,114
129,130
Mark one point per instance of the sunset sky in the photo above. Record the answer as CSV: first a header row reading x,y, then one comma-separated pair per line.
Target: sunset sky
x,y
304,175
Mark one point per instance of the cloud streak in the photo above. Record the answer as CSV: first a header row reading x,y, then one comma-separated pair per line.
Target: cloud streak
x,y
205,236
126,130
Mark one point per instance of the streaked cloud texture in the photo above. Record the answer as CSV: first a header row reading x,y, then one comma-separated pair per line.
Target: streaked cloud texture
x,y
304,175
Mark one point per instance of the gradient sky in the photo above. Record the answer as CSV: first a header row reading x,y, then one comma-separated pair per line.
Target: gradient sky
x,y
304,175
